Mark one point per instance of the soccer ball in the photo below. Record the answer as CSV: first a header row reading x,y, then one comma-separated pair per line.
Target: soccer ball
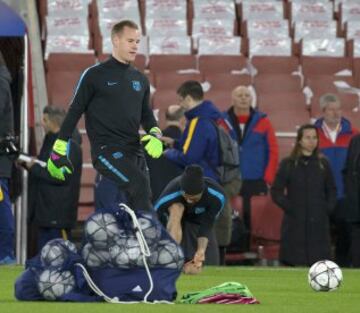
x,y
168,254
126,253
53,284
95,257
56,252
151,229
325,276
101,229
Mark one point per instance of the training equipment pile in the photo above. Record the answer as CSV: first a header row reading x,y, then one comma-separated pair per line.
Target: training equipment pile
x,y
125,258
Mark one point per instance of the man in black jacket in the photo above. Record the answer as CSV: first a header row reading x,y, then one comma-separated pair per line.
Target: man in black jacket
x,y
53,203
6,129
114,97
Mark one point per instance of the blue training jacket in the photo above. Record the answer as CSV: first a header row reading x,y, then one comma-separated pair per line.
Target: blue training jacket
x,y
199,143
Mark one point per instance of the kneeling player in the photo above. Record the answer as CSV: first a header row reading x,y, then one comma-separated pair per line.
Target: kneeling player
x,y
189,205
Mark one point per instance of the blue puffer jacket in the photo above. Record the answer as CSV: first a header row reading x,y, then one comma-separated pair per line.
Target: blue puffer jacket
x,y
199,142
258,148
336,152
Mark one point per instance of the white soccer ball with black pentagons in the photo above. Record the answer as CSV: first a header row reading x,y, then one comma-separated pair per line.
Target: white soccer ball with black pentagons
x,y
95,257
325,276
53,284
150,228
101,229
168,254
126,253
56,252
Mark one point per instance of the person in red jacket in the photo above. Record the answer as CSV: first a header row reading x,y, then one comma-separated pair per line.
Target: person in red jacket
x,y
258,148
335,133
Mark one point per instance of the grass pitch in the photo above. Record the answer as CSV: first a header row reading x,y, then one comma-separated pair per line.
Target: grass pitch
x,y
278,290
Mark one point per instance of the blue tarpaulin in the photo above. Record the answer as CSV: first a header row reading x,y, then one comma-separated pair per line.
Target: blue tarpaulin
x,y
11,24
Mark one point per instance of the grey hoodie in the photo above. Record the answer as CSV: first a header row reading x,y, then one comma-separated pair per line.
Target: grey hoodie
x,y
6,117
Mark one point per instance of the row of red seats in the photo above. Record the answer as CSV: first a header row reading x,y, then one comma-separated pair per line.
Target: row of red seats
x,y
71,65
265,235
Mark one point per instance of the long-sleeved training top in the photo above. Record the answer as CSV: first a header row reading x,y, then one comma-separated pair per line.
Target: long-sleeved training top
x,y
204,212
115,99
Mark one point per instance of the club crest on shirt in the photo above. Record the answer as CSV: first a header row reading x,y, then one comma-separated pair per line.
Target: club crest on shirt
x,y
136,85
199,210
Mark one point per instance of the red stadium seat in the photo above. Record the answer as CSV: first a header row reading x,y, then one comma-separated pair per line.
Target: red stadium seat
x,y
221,63
275,65
86,149
172,80
61,86
222,99
226,81
324,65
63,73
286,111
84,212
286,144
69,62
88,176
86,195
266,219
353,115
356,65
274,83
321,84
168,63
161,100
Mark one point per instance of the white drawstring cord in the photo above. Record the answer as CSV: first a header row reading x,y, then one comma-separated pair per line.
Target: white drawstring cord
x,y
145,252
144,248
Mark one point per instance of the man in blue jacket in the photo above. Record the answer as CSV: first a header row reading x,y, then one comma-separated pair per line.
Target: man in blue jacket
x,y
335,133
199,142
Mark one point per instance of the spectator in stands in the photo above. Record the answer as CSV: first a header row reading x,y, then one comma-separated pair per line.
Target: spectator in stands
x,y
175,122
352,197
53,203
258,148
7,223
189,206
114,96
304,188
335,133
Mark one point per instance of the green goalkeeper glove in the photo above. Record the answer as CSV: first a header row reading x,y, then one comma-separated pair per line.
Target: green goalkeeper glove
x,y
154,146
58,164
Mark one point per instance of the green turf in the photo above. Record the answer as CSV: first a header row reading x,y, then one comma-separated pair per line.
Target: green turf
x,y
279,290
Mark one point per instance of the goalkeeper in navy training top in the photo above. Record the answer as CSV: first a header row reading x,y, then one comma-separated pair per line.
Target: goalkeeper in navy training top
x,y
189,206
115,99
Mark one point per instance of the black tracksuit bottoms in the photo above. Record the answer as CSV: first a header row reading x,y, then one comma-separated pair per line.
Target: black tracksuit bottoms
x,y
130,173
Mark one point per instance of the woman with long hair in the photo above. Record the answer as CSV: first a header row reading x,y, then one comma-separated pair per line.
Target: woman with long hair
x,y
304,188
